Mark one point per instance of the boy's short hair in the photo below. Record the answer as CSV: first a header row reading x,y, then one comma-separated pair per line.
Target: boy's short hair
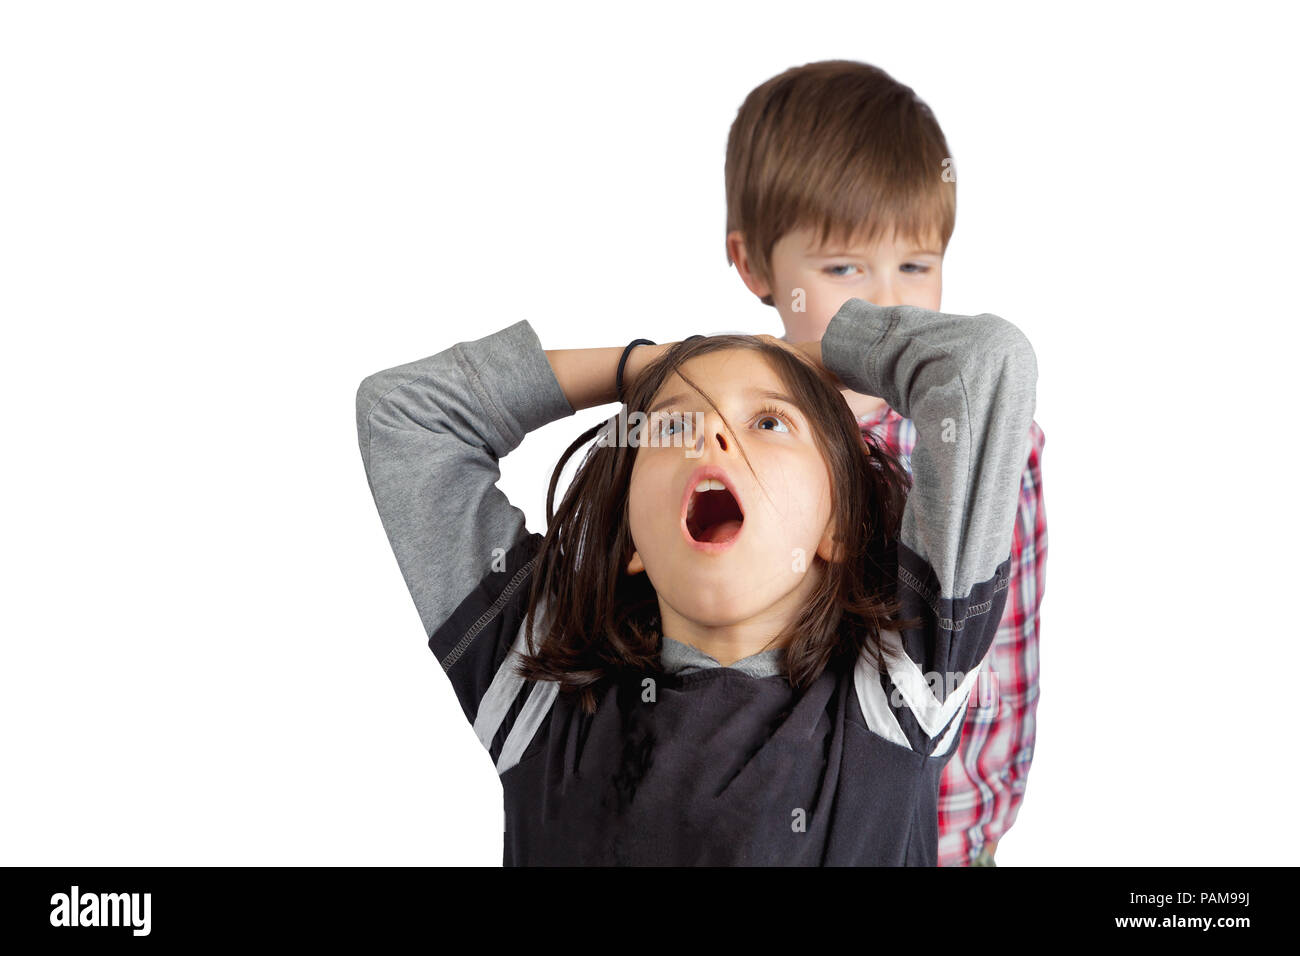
x,y
841,147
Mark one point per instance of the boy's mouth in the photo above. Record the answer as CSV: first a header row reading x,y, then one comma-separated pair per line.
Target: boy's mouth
x,y
711,512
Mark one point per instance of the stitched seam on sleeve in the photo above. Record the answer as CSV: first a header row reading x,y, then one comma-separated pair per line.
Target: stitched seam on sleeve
x,y
463,645
375,404
946,623
483,395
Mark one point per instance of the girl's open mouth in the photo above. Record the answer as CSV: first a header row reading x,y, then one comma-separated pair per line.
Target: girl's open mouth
x,y
712,516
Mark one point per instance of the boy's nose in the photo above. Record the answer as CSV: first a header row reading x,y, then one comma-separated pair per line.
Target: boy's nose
x,y
884,296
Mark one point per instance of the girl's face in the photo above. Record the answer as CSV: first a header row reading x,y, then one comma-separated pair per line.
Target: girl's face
x,y
756,569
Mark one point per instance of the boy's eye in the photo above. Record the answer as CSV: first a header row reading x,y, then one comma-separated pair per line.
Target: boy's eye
x,y
912,268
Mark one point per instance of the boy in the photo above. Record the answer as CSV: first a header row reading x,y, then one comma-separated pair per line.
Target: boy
x,y
839,184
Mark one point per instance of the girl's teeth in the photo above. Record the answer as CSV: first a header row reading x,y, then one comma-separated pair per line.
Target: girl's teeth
x,y
708,484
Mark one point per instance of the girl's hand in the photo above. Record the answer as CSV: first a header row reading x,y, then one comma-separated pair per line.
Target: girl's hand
x,y
639,358
811,352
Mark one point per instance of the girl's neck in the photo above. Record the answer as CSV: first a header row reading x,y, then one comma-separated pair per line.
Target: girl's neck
x,y
733,642
725,653
677,656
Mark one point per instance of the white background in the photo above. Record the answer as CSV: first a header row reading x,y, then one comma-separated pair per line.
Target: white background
x,y
218,218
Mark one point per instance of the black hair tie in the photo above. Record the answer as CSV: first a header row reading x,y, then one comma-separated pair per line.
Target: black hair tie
x,y
622,362
618,376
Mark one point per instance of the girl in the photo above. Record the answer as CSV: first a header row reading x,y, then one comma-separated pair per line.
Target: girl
x,y
754,646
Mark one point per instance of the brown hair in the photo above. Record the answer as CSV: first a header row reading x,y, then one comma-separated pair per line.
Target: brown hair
x,y
841,147
602,623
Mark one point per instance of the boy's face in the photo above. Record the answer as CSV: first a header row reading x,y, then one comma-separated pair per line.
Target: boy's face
x,y
762,578
892,271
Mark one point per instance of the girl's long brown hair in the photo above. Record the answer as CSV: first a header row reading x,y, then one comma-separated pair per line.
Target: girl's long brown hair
x,y
601,623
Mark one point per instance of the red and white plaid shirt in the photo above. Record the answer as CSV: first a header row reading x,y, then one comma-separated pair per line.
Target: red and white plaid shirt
x,y
982,785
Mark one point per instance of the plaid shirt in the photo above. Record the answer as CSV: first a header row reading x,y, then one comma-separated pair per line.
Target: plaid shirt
x,y
982,786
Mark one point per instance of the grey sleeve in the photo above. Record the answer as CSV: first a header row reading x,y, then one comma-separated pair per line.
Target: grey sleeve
x,y
431,434
968,385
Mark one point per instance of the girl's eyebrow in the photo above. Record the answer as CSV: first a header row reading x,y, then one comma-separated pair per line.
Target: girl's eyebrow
x,y
752,392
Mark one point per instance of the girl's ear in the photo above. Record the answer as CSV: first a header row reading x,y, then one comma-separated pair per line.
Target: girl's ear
x,y
635,566
826,547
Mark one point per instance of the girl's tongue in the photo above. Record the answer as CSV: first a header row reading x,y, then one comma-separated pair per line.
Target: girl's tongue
x,y
722,531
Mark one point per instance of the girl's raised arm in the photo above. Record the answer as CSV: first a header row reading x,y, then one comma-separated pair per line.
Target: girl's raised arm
x,y
431,433
968,385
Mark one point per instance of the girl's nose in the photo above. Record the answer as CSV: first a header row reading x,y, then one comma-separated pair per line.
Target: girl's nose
x,y
717,431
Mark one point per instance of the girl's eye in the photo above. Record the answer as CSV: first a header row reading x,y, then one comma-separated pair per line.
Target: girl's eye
x,y
671,424
777,416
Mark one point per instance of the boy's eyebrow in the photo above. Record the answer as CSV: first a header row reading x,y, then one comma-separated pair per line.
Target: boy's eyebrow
x,y
845,254
754,392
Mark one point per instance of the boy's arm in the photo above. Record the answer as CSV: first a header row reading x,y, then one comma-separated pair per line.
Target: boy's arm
x,y
1015,655
967,383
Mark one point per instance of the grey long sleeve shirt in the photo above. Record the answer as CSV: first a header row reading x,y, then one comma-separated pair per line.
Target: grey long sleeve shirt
x,y
732,766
